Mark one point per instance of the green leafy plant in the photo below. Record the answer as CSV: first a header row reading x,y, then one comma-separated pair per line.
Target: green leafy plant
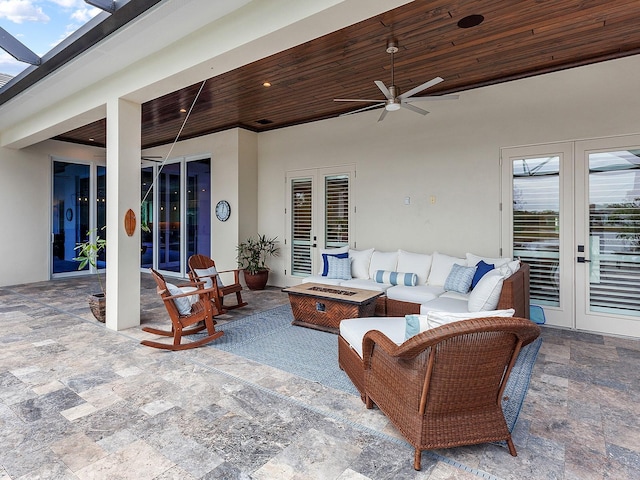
x,y
253,253
88,252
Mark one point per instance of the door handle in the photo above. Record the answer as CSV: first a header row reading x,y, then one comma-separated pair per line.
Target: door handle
x,y
583,260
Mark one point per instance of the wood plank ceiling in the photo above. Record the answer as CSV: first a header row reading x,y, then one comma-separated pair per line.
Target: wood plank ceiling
x,y
516,40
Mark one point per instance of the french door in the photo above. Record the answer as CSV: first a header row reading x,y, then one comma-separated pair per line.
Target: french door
x,y
318,216
572,211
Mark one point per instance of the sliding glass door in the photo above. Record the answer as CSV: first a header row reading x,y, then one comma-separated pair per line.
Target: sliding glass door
x,y
78,209
176,214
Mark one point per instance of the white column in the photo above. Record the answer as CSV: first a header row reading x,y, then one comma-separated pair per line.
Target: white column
x,y
123,193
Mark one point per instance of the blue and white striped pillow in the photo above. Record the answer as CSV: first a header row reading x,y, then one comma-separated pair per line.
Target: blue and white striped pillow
x,y
396,278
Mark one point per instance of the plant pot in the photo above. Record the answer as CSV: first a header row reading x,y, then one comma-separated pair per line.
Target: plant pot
x,y
97,304
256,281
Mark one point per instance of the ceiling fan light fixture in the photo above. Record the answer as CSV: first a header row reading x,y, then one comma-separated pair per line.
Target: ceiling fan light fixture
x,y
392,106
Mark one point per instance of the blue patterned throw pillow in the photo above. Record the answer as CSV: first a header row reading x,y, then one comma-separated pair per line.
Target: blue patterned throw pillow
x,y
338,268
459,279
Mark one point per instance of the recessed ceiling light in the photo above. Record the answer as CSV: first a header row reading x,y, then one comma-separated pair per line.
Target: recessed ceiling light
x,y
470,21
92,139
183,110
266,84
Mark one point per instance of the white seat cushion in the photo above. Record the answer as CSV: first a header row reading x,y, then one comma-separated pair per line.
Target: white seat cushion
x,y
321,279
353,330
486,294
444,304
441,267
417,294
365,284
360,261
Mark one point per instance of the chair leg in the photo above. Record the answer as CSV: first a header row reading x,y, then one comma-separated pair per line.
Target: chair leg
x,y
512,447
416,459
367,401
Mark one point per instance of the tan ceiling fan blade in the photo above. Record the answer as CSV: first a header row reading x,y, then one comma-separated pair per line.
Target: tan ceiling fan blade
x,y
383,88
356,100
382,115
369,107
419,88
433,97
413,108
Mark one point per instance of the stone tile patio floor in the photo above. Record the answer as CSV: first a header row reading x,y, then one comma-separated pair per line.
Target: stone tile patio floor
x,y
78,401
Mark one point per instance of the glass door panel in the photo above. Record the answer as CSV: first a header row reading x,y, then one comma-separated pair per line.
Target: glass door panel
x,y
198,208
536,224
169,218
101,213
146,218
614,232
70,214
302,238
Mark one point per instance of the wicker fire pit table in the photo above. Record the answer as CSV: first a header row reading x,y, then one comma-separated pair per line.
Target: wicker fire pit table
x,y
322,307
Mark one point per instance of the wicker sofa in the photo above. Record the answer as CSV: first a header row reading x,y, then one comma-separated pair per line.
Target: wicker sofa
x,y
429,273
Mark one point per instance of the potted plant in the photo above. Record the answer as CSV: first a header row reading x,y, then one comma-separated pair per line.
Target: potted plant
x,y
252,257
88,252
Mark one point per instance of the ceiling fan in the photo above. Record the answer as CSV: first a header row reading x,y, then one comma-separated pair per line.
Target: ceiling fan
x,y
394,100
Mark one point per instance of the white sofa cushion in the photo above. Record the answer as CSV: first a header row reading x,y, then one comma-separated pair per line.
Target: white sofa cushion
x,y
441,266
383,261
360,261
418,263
509,269
472,260
365,284
486,293
321,279
353,330
417,294
445,304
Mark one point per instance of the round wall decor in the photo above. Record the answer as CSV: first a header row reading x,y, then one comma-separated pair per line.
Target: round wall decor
x,y
223,210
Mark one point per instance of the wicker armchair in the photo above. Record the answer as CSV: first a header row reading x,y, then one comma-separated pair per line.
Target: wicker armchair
x,y
442,388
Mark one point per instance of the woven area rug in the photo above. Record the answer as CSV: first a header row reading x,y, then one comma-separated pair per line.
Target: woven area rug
x,y
270,339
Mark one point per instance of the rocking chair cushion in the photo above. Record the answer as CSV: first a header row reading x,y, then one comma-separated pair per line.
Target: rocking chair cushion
x,y
183,304
206,274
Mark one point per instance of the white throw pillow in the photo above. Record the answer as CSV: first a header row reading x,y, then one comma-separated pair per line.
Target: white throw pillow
x,y
418,263
204,274
383,261
509,269
182,304
486,294
472,260
441,267
360,261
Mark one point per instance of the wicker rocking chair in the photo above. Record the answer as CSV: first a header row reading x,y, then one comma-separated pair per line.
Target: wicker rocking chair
x,y
443,388
198,263
199,318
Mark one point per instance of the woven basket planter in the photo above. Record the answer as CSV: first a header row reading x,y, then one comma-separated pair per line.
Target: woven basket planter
x,y
97,304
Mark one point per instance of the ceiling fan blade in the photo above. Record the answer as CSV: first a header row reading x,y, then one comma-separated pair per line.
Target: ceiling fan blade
x,y
356,100
434,97
419,88
382,115
370,107
383,88
414,108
